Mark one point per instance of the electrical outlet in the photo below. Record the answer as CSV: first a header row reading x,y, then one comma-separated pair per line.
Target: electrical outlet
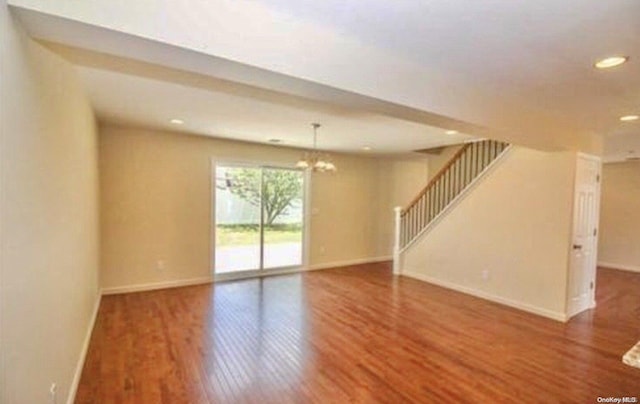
x,y
485,275
53,393
160,265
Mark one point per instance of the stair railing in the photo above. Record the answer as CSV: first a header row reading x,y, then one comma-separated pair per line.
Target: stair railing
x,y
464,167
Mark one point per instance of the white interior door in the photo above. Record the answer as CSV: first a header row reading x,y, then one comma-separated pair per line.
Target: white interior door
x,y
583,260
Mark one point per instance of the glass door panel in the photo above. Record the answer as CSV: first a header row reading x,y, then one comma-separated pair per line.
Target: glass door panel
x,y
238,218
282,204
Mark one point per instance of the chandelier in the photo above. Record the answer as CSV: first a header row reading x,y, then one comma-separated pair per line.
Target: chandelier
x,y
315,160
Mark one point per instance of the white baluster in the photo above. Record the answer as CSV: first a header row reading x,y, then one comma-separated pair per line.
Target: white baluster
x,y
396,242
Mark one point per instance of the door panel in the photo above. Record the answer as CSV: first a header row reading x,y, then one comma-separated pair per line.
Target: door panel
x,y
584,240
238,221
283,217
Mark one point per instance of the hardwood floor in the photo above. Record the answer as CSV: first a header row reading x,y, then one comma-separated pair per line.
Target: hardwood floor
x,y
356,335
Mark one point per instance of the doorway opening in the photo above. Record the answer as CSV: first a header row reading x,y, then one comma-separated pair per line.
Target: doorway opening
x,y
259,219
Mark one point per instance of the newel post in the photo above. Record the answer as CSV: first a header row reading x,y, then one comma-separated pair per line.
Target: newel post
x,y
396,241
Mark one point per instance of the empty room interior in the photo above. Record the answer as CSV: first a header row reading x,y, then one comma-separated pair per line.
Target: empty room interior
x,y
272,201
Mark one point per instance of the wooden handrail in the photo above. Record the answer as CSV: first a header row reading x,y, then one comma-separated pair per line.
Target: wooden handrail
x,y
436,177
458,173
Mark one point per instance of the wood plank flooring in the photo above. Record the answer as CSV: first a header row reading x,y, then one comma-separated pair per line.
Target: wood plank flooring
x,y
356,334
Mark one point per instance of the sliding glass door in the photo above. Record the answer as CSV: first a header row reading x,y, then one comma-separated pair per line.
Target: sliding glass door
x,y
259,218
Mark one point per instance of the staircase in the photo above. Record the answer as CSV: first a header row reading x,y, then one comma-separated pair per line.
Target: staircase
x,y
468,164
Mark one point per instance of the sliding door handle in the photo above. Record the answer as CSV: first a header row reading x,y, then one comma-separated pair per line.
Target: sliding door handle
x,y
577,247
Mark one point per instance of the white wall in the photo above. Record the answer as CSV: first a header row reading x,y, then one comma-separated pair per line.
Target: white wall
x,y
48,216
619,244
516,223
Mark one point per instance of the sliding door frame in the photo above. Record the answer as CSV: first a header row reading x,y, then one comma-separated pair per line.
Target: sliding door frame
x,y
306,219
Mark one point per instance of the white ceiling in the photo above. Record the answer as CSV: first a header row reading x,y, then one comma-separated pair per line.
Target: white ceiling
x,y
536,52
133,100
515,70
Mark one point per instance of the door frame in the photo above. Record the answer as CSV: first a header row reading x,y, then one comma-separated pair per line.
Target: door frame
x,y
594,269
306,218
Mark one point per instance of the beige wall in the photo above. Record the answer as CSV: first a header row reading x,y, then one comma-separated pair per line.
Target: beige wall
x,y
437,161
619,244
516,224
399,181
49,219
156,195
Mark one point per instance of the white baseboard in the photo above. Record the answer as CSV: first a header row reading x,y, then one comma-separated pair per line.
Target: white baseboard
x,y
632,268
83,352
359,261
554,315
143,287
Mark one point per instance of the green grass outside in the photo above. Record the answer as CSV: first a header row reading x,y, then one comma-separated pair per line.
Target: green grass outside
x,y
232,235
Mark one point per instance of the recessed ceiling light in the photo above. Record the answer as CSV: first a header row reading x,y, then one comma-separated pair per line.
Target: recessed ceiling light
x,y
451,132
274,140
366,148
609,62
176,121
629,118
